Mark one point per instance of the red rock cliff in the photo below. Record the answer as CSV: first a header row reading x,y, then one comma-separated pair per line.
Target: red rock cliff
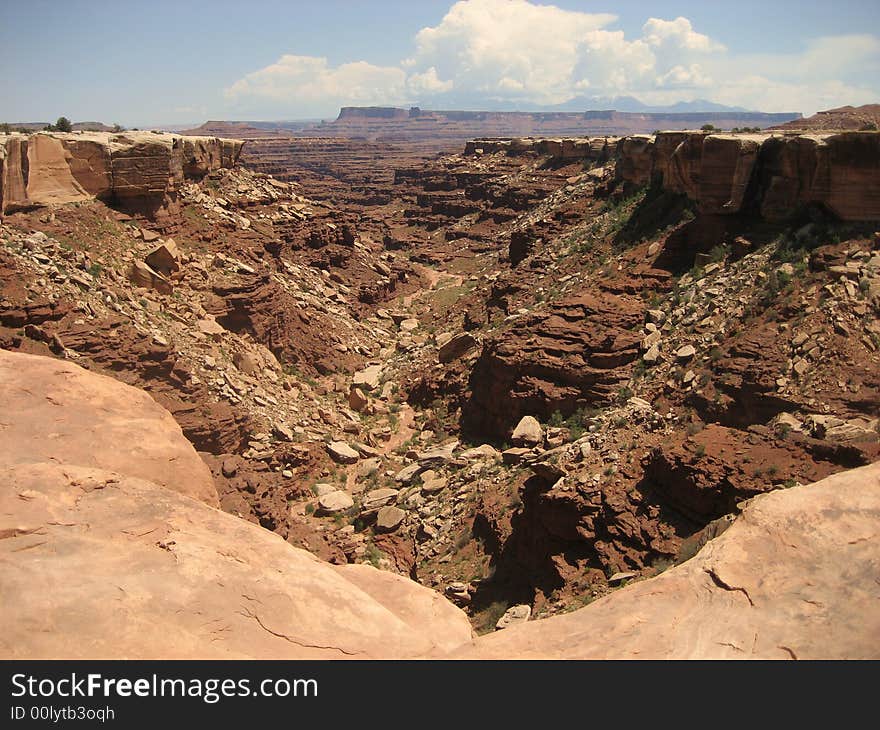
x,y
139,170
772,174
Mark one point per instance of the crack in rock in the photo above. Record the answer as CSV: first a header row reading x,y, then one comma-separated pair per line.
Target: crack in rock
x,y
716,579
247,613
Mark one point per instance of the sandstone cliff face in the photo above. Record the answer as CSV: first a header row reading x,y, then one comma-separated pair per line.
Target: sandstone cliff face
x,y
108,555
136,170
772,175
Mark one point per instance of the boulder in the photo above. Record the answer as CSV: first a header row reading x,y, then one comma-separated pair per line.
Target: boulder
x,y
388,519
528,432
211,327
434,485
165,258
368,467
246,362
368,378
652,355
457,347
322,488
334,502
406,475
518,614
378,498
141,274
479,453
685,353
342,453
515,455
439,455
357,401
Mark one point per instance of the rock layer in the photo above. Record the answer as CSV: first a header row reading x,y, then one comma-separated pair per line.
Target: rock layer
x,y
771,174
136,170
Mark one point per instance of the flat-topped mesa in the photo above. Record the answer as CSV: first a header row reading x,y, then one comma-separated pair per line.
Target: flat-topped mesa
x,y
565,148
772,175
138,171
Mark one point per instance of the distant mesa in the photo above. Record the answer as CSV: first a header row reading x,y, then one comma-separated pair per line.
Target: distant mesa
x,y
442,128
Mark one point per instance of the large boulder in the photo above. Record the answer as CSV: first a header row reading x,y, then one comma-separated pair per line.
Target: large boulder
x,y
528,432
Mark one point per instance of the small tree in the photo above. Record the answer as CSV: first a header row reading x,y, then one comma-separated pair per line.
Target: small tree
x,y
63,125
4,128
708,128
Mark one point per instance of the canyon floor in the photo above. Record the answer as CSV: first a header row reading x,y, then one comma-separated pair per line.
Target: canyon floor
x,y
529,375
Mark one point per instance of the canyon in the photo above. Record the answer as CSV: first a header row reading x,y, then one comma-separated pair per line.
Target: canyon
x,y
440,385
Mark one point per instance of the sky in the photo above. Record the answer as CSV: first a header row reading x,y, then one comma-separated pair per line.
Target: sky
x,y
183,61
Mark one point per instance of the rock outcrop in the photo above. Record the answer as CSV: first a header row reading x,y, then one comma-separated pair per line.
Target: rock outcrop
x,y
773,175
135,170
794,577
111,552
577,353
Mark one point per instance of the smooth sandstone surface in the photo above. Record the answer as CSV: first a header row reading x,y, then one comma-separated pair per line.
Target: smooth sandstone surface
x,y
52,411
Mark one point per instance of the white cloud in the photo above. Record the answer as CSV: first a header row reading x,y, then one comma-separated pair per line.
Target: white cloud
x,y
508,48
311,83
520,52
678,34
427,83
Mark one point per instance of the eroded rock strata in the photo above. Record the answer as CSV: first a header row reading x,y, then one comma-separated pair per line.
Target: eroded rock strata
x,y
521,371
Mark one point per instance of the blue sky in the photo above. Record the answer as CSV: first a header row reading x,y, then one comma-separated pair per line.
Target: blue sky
x,y
142,63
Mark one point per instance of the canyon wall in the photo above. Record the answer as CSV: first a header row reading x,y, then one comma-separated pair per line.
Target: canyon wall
x,y
135,170
771,175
